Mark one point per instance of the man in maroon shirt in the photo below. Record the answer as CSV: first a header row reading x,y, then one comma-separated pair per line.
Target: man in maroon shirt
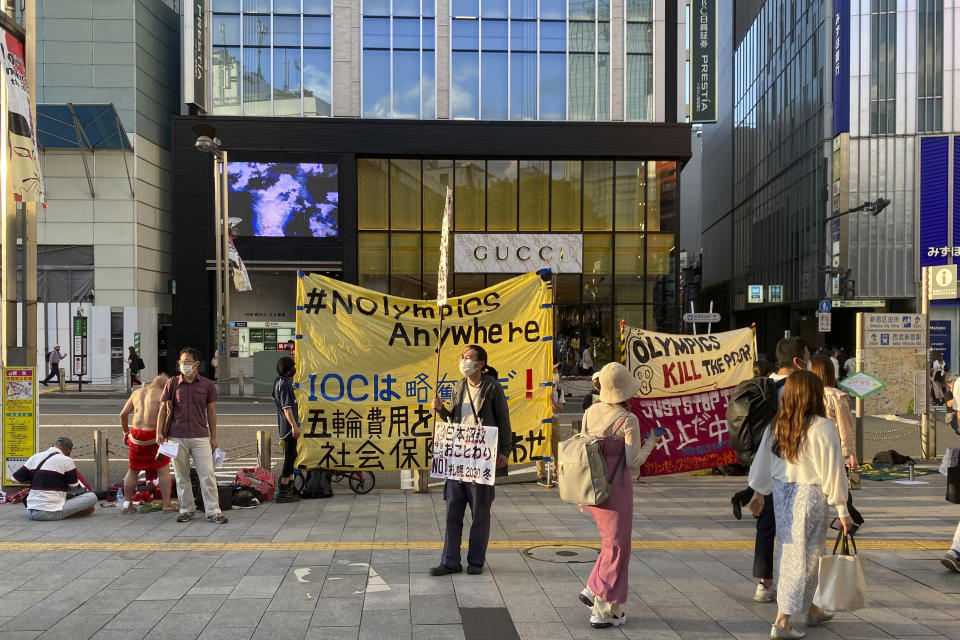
x,y
188,413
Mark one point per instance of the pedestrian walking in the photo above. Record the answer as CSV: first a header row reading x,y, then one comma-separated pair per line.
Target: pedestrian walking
x,y
951,559
937,376
288,421
141,438
53,360
558,402
135,363
586,362
801,464
188,417
611,419
792,355
478,399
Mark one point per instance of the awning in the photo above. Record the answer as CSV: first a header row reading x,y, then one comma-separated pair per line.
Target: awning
x,y
80,126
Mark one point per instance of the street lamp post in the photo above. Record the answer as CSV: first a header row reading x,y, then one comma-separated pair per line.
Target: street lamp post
x,y
873,208
209,143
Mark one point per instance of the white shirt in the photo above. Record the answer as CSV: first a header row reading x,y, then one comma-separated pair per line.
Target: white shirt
x,y
587,360
836,367
820,463
602,418
850,366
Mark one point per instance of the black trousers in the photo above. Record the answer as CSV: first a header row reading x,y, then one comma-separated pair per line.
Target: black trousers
x,y
289,455
480,498
54,371
763,545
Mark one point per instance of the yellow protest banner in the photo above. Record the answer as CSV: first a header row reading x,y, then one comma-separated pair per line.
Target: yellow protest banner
x,y
19,419
366,362
673,365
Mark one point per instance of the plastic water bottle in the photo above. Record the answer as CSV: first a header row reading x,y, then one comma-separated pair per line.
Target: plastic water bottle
x,y
120,495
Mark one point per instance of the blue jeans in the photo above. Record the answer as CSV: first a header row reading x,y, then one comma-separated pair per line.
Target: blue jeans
x,y
70,507
480,498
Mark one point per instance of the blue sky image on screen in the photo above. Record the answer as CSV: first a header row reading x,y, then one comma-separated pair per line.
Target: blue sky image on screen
x,y
284,199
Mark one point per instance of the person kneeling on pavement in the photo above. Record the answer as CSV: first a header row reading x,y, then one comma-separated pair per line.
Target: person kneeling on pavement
x,y
55,489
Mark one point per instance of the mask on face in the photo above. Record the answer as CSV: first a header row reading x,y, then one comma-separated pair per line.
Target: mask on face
x,y
187,369
556,379
467,367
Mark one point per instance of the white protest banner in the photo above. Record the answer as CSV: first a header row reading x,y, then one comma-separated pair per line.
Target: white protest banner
x,y
464,452
444,250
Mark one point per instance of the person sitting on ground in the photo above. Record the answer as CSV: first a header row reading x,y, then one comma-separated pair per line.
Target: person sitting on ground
x,y
55,490
142,439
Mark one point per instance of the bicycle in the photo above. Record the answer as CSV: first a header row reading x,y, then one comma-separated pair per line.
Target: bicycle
x,y
361,482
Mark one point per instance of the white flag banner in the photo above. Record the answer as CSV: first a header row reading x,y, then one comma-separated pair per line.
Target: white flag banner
x,y
25,175
241,279
444,249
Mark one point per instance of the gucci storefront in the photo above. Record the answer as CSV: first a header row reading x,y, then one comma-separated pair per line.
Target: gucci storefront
x,y
363,200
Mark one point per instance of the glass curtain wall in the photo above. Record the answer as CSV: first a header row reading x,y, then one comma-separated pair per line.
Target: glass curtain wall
x,y
530,60
271,57
639,67
625,211
399,59
883,66
929,65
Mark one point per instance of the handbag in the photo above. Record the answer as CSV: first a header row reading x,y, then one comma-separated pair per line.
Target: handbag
x,y
854,478
953,485
842,578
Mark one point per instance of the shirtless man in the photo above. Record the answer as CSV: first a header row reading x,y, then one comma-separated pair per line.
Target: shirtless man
x,y
144,404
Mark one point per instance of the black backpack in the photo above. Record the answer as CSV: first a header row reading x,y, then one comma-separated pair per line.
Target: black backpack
x,y
753,404
892,456
317,484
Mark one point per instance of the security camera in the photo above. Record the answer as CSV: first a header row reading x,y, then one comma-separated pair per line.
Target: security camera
x,y
207,144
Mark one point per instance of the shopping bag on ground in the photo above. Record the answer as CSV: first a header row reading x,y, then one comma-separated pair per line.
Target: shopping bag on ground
x,y
843,582
258,479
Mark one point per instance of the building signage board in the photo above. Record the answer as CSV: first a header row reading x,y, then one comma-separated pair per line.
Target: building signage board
x,y
894,322
940,339
703,61
517,252
775,293
19,419
942,282
825,322
755,294
195,53
937,246
859,303
79,346
841,66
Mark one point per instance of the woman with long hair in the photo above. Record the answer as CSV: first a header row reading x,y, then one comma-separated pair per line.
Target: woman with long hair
x,y
800,462
937,376
478,399
611,420
837,405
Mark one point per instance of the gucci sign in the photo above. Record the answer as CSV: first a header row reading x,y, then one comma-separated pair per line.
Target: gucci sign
x,y
517,252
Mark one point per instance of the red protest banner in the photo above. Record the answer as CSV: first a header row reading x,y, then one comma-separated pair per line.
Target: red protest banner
x,y
697,435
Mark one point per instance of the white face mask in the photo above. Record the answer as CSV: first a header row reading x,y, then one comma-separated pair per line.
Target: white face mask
x,y
467,367
187,369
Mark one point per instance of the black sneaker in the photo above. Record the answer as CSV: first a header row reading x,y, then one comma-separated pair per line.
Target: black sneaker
x,y
474,570
287,495
442,570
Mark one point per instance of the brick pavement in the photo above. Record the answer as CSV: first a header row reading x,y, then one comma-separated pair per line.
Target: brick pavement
x,y
356,567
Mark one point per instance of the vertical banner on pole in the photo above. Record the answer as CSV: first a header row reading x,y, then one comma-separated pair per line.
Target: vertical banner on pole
x,y
19,419
444,250
703,61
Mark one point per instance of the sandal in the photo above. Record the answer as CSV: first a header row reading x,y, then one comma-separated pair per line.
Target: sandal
x,y
171,509
129,510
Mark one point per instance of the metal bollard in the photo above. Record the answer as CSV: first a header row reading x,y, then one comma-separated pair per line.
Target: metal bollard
x,y
101,461
126,381
263,449
242,383
910,466
61,380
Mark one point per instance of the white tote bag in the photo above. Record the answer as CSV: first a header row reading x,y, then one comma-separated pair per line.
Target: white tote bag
x,y
843,583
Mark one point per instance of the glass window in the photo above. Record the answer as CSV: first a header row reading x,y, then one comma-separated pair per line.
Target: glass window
x,y
494,8
286,82
466,35
406,33
428,95
316,32
431,263
493,90
553,9
553,36
582,9
629,267
286,31
597,267
581,97
256,31
553,86
428,8
465,8
603,9
405,194
565,195
226,30
429,31
494,35
226,6
523,35
567,288
639,87
376,33
464,283
603,86
376,84
603,37
659,255
316,82
437,176
640,10
372,191
376,7
406,7
661,196
582,37
523,86
631,195
225,79
534,195
468,195
256,6
640,38
317,7
372,261
406,84
464,73
286,6
501,195
523,9
597,196
256,82
633,315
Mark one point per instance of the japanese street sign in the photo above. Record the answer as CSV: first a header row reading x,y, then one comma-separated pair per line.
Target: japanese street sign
x,y
755,294
824,322
825,306
942,282
775,293
703,61
894,322
699,318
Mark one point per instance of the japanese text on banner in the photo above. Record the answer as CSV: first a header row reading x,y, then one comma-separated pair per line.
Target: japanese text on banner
x,y
464,452
365,362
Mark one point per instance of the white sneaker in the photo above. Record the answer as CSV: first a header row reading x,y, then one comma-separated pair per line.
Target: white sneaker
x,y
600,623
586,597
779,632
763,594
951,560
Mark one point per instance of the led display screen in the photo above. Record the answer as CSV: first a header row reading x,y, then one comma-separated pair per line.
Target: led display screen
x,y
283,199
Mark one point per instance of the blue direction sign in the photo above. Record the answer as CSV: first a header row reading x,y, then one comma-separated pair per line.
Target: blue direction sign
x,y
825,306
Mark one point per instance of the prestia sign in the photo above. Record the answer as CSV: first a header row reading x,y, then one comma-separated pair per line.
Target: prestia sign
x,y
517,252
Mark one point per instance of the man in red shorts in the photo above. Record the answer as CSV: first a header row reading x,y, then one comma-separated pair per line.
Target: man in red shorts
x,y
144,403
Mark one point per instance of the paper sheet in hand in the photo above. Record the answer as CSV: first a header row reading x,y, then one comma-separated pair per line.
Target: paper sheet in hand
x,y
169,449
219,455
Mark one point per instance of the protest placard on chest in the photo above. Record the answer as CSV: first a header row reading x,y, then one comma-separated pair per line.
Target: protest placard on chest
x,y
464,452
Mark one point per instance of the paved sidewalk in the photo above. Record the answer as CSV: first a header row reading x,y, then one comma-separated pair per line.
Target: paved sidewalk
x,y
356,567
